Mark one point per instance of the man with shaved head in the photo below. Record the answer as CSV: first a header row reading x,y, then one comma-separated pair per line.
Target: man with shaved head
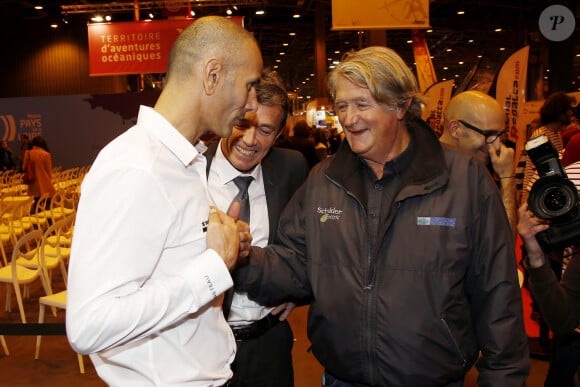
x,y
150,257
475,122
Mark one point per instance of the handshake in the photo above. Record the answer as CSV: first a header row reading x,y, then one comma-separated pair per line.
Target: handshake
x,y
228,236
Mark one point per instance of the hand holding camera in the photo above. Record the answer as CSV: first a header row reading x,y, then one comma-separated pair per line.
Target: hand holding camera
x,y
553,197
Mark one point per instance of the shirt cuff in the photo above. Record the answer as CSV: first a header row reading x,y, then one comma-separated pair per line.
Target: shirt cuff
x,y
209,277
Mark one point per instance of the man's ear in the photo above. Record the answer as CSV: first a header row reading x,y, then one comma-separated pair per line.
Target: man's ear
x,y
212,75
403,108
455,129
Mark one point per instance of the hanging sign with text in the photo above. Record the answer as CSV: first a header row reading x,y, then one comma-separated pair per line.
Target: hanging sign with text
x,y
133,47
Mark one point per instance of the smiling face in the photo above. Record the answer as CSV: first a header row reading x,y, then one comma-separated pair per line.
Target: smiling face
x,y
373,130
253,137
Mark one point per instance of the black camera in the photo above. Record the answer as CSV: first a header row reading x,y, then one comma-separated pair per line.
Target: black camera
x,y
553,197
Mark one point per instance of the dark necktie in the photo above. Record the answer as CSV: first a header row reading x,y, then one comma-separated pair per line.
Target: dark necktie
x,y
242,182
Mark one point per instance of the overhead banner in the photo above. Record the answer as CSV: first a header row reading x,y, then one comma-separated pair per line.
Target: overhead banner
x,y
138,47
380,14
510,90
425,70
436,97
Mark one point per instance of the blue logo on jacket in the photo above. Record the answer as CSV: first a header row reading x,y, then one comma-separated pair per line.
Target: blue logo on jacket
x,y
436,221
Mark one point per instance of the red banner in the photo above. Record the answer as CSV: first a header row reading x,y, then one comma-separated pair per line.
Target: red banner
x,y
134,47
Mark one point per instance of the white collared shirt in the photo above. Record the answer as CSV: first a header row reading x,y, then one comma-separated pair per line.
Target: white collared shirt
x,y
223,190
144,293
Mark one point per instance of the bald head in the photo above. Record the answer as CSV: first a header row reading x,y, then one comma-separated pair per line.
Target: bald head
x,y
466,115
206,37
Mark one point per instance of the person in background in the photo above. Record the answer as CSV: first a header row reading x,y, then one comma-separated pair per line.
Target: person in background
x,y
6,161
555,115
573,128
474,122
321,144
335,139
572,147
556,292
302,141
263,336
150,256
402,246
24,146
41,160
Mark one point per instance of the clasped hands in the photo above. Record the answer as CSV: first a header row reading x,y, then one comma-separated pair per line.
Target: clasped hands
x,y
229,237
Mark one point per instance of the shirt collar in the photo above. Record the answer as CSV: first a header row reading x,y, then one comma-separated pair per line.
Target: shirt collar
x,y
180,146
226,171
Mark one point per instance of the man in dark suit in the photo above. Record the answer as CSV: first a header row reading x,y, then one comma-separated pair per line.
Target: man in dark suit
x,y
263,336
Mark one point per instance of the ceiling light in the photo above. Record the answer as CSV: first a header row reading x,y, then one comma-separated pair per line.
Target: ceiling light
x,y
502,48
460,62
235,7
445,68
229,11
296,16
108,18
38,7
292,34
260,12
461,12
53,25
409,41
285,44
151,16
192,13
282,53
449,50
311,75
97,19
497,30
429,31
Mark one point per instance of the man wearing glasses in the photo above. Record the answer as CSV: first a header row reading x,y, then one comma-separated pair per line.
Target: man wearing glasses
x,y
475,122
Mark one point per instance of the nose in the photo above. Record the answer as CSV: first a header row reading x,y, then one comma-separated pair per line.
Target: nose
x,y
249,137
348,117
252,103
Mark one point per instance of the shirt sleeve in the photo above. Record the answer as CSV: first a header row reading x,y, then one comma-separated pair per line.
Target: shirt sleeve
x,y
559,302
493,288
120,284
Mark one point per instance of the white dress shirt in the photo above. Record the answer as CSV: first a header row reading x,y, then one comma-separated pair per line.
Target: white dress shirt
x,y
144,293
223,190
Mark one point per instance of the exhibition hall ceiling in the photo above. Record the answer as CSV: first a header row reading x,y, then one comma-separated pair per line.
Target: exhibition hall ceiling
x,y
461,33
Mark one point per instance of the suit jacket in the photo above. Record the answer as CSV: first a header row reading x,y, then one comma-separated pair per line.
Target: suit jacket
x,y
284,171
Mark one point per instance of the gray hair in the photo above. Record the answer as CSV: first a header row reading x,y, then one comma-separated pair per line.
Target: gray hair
x,y
384,73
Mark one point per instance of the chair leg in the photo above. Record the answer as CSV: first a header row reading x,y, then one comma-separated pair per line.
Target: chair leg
x,y
63,270
39,337
4,346
8,307
81,363
20,304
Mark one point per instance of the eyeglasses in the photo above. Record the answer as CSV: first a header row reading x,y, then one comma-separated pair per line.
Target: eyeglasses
x,y
490,135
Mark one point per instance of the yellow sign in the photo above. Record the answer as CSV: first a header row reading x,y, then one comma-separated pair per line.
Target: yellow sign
x,y
380,14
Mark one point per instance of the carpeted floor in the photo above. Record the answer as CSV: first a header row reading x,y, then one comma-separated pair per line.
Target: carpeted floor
x,y
58,365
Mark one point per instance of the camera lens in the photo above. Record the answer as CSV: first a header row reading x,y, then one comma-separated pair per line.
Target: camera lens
x,y
555,200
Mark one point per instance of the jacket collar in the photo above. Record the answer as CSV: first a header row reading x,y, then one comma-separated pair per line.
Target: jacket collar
x,y
426,172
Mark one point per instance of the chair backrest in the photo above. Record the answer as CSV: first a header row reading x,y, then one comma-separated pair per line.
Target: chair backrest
x,y
26,248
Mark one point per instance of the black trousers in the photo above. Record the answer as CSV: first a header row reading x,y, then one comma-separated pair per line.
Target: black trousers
x,y
265,361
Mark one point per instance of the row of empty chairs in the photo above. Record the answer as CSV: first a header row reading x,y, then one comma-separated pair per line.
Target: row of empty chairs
x,y
37,242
